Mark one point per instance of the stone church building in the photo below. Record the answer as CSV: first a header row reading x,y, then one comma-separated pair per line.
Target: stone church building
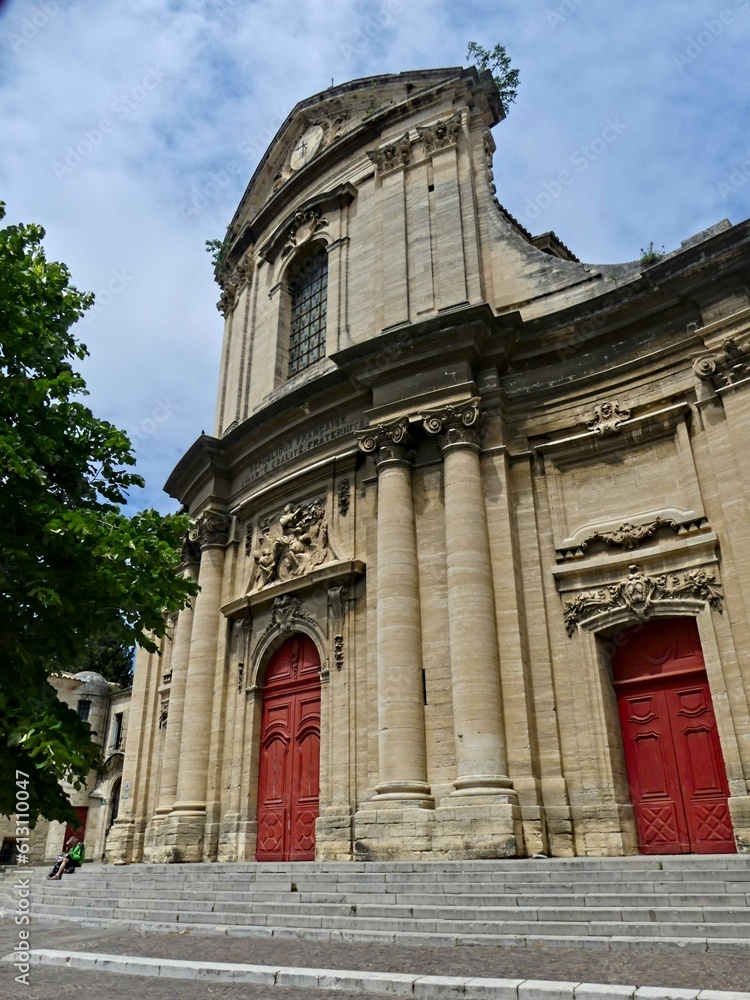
x,y
472,529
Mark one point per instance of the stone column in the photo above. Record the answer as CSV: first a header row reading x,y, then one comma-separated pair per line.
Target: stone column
x,y
480,751
188,816
179,668
402,755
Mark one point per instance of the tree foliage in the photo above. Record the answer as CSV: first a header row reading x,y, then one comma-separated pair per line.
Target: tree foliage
x,y
72,564
496,62
108,654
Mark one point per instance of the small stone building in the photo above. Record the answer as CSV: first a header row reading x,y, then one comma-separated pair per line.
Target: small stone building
x,y
472,529
105,707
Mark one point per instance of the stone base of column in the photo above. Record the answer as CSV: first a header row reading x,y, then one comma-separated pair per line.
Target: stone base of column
x,y
739,810
124,843
392,834
155,842
237,839
403,794
497,785
185,832
477,828
604,830
334,835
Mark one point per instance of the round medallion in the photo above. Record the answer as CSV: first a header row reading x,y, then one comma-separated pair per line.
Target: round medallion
x,y
306,147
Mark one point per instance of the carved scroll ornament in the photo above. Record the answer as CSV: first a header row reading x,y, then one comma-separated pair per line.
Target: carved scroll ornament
x,y
210,528
286,613
608,417
441,134
456,425
290,543
389,442
395,154
304,225
725,367
639,592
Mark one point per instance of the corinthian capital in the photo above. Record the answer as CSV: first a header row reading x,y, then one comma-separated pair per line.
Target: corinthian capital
x,y
390,443
456,426
210,528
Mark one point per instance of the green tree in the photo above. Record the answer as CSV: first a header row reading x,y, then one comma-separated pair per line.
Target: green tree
x,y
108,654
71,563
496,62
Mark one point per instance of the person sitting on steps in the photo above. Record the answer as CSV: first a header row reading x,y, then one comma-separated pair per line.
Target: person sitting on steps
x,y
76,852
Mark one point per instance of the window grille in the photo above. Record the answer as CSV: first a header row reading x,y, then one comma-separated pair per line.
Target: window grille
x,y
84,709
309,292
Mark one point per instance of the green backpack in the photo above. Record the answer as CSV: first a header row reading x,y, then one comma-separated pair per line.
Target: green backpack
x,y
77,853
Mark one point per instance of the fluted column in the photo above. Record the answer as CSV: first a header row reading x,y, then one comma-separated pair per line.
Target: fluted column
x,y
481,765
210,532
402,755
179,668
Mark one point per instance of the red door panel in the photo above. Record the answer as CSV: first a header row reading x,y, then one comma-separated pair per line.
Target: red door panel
x,y
289,774
79,831
673,756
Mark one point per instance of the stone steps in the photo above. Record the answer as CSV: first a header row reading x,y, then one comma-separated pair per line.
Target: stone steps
x,y
697,903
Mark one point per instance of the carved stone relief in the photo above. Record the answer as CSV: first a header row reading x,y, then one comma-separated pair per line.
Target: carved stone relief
x,y
441,134
725,367
395,154
304,225
290,543
344,497
286,612
608,417
629,536
639,592
242,274
241,640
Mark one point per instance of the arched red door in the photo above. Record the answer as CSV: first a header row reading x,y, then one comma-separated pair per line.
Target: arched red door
x,y
288,780
676,772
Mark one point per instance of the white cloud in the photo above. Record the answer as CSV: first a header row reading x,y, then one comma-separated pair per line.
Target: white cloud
x,y
118,118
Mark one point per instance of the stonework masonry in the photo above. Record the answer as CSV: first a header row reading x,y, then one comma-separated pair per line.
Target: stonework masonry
x,y
507,464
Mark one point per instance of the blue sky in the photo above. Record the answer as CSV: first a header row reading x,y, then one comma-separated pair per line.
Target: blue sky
x,y
119,122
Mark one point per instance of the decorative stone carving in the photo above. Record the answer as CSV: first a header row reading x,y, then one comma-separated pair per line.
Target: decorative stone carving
x,y
189,550
286,613
392,442
395,154
337,597
290,543
210,528
338,651
164,715
249,538
231,286
725,367
639,593
608,417
304,225
344,497
441,134
456,425
489,149
629,536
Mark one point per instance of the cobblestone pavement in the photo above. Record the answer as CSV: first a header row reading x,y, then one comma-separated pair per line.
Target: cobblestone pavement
x,y
646,968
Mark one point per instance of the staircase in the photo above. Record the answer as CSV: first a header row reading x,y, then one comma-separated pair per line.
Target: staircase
x,y
698,903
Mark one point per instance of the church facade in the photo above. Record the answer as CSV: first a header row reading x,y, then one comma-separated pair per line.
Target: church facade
x,y
472,529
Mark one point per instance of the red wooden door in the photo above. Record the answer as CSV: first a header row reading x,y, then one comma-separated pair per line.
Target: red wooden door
x,y
675,767
288,780
79,831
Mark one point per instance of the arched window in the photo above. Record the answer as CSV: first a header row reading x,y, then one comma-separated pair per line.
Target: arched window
x,y
308,285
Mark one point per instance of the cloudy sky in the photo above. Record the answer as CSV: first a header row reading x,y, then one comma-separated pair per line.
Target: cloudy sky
x,y
118,122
